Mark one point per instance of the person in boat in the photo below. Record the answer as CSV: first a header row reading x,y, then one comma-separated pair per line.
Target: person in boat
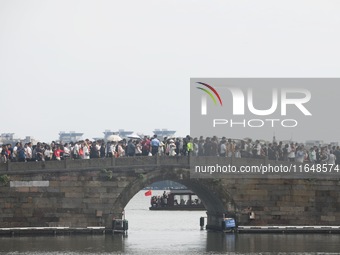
x,y
165,199
154,201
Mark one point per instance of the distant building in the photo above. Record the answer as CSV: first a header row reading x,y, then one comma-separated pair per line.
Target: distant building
x,y
161,133
29,139
107,133
6,138
72,136
123,133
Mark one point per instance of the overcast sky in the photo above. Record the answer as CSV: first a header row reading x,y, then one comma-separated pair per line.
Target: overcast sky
x,y
88,66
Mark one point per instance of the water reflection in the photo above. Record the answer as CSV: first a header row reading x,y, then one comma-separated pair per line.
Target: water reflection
x,y
217,242
258,243
62,244
209,243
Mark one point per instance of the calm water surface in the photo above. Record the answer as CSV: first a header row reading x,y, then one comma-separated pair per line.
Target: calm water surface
x,y
171,232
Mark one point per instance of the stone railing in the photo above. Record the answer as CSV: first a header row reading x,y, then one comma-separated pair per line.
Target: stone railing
x,y
127,162
80,164
297,170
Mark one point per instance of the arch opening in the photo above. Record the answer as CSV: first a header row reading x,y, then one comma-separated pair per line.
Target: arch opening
x,y
213,196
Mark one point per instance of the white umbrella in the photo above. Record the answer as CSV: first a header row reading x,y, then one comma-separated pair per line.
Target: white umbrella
x,y
263,142
134,136
114,138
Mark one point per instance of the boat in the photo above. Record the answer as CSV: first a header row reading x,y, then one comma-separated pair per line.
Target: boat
x,y
228,225
177,199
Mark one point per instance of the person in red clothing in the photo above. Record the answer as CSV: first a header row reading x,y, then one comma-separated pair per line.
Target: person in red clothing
x,y
145,146
57,153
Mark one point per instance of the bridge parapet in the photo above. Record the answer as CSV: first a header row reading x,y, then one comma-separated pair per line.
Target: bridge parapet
x,y
155,161
135,161
183,161
98,163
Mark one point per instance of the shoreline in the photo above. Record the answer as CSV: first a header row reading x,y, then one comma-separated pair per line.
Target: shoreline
x,y
59,231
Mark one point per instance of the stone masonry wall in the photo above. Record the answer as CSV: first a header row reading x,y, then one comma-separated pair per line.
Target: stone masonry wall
x,y
62,199
287,202
85,193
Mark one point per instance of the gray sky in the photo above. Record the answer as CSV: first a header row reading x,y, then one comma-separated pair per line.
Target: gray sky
x,y
88,66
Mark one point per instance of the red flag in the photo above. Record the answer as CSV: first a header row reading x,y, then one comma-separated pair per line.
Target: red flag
x,y
148,193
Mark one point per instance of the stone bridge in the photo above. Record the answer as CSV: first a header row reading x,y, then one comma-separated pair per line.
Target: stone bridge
x,y
81,193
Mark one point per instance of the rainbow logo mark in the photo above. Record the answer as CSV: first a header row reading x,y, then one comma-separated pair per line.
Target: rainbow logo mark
x,y
209,92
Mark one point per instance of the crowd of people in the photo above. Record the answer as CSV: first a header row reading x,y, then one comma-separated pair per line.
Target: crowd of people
x,y
169,199
209,146
160,201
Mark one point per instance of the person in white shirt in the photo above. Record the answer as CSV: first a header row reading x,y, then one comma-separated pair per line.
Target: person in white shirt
x,y
67,151
98,146
291,152
300,154
86,151
223,149
48,153
172,148
76,151
331,158
15,153
28,151
256,150
113,149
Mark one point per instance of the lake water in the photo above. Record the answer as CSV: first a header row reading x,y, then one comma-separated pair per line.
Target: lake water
x,y
170,232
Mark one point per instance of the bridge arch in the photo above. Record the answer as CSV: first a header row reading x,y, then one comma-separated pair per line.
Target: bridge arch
x,y
215,197
80,193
